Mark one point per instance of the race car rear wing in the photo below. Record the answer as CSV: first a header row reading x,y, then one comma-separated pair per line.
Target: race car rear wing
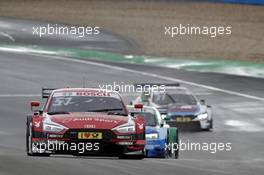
x,y
46,92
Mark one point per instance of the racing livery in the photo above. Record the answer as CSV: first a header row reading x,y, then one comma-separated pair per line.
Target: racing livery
x,y
179,107
84,121
161,139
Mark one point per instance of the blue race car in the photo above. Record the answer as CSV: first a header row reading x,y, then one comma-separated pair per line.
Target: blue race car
x,y
161,139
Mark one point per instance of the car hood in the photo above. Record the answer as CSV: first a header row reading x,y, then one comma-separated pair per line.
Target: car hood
x,y
184,109
92,120
151,129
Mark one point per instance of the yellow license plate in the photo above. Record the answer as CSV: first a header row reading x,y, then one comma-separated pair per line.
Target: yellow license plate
x,y
90,135
183,119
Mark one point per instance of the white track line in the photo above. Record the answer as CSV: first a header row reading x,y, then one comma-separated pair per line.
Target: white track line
x,y
155,76
7,35
239,125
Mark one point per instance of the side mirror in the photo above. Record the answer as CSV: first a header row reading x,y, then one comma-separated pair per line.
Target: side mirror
x,y
35,106
202,102
138,106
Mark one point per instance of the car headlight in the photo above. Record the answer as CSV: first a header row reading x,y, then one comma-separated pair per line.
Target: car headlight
x,y
202,116
125,129
50,126
152,136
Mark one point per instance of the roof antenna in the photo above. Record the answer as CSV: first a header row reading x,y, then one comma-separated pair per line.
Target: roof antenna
x,y
83,81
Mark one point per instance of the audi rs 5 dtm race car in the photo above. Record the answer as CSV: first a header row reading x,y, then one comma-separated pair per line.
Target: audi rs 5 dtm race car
x,y
161,139
84,121
179,107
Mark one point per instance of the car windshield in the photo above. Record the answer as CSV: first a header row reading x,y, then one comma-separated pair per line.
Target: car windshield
x,y
170,98
66,104
150,118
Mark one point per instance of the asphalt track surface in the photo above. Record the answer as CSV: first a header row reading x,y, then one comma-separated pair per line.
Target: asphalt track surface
x,y
238,108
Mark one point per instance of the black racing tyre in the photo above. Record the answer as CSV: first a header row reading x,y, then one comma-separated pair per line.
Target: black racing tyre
x,y
210,126
173,142
28,136
211,123
29,140
176,152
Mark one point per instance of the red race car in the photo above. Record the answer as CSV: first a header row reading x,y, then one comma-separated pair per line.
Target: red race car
x,y
84,121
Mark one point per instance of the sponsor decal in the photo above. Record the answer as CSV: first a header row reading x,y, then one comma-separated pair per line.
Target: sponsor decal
x,y
124,137
90,135
92,93
37,124
89,126
140,126
83,93
183,119
67,120
55,136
